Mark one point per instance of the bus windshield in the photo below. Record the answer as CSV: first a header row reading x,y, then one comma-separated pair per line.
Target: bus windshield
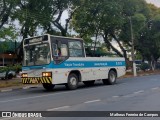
x,y
38,54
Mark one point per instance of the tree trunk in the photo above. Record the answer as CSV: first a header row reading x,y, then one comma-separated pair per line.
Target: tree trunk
x,y
121,47
95,43
153,63
113,48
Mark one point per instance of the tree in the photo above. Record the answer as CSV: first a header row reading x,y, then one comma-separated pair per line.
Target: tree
x,y
58,7
149,43
5,10
109,18
45,15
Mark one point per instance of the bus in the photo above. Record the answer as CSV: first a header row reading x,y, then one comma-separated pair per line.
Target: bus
x,y
56,60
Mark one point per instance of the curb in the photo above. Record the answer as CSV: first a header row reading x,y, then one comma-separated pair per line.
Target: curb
x,y
18,88
140,75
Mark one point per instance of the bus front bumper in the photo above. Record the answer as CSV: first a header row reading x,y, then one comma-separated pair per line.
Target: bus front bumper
x,y
36,80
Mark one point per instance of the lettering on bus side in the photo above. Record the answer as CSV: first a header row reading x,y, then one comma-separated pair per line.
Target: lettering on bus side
x,y
119,63
100,64
74,64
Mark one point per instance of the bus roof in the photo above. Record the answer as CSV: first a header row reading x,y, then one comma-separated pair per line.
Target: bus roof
x,y
55,36
66,37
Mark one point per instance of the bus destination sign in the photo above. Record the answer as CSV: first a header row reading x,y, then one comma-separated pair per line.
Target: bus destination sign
x,y
36,39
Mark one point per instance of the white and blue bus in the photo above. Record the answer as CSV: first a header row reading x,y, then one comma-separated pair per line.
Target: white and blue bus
x,y
55,60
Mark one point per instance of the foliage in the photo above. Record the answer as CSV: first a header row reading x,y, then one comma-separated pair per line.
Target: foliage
x,y
46,15
3,69
5,10
109,20
8,33
17,68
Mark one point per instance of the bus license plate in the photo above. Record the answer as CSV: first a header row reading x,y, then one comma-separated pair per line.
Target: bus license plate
x,y
34,81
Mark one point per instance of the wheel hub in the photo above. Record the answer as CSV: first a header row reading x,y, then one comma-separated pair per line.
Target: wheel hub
x,y
112,77
73,81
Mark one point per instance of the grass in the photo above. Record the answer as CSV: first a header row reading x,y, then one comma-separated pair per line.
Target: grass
x,y
10,83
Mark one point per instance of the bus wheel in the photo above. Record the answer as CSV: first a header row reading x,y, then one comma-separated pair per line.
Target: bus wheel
x,y
89,83
72,82
112,77
48,87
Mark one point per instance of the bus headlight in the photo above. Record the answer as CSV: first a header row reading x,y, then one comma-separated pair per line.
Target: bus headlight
x,y
46,74
24,75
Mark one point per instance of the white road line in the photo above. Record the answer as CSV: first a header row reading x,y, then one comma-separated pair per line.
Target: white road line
x,y
12,100
115,96
5,118
92,101
63,107
5,101
156,88
141,91
7,90
129,95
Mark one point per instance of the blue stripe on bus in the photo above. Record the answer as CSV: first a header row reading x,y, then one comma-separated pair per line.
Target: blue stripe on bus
x,y
79,64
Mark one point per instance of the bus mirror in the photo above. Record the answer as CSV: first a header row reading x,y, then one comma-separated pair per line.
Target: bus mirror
x,y
59,43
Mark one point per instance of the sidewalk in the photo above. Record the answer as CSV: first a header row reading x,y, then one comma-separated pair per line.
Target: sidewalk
x,y
15,84
141,73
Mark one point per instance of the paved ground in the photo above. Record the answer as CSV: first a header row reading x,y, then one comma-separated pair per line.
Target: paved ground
x,y
130,94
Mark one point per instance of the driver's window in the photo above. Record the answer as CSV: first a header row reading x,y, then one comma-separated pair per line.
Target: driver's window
x,y
60,52
55,50
64,51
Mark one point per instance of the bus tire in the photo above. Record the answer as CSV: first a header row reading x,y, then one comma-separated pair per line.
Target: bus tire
x,y
112,78
89,83
48,87
72,83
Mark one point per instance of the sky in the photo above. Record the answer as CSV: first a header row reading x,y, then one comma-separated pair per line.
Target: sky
x,y
156,2
65,14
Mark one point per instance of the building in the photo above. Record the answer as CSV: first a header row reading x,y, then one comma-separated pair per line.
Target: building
x,y
8,54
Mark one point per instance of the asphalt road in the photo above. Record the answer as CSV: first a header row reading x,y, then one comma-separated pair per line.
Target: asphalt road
x,y
130,94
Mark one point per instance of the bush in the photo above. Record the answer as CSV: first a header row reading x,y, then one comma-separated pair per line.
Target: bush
x,y
144,66
3,69
17,68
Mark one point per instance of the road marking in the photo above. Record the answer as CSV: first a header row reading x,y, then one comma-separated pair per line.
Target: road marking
x,y
129,95
156,88
115,96
7,90
141,91
26,87
31,86
92,101
31,97
63,107
52,94
5,119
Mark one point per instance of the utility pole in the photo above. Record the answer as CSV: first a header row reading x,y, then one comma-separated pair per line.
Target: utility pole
x,y
133,56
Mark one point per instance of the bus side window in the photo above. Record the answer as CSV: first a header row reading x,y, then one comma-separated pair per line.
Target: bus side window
x,y
75,49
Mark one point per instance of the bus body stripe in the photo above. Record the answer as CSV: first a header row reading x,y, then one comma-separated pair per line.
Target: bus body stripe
x,y
79,64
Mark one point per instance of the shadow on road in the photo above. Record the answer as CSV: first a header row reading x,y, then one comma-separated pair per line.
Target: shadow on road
x,y
62,88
